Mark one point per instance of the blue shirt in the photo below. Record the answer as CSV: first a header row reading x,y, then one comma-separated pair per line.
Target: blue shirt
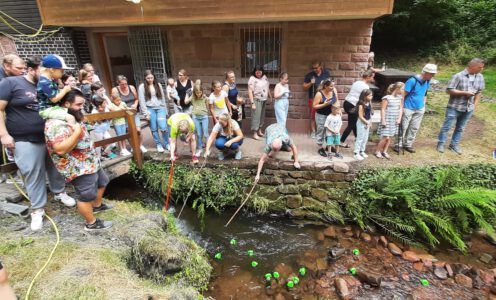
x,y
417,90
46,90
325,74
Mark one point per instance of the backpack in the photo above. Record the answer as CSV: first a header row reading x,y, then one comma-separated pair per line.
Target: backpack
x,y
415,85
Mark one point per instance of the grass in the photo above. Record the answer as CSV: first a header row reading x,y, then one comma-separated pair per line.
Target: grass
x,y
87,268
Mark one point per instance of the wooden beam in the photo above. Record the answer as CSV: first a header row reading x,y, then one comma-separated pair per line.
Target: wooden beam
x,y
134,139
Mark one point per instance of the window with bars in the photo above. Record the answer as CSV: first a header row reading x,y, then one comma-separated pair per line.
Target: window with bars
x,y
149,51
261,45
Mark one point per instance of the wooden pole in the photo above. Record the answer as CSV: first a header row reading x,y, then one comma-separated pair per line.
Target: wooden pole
x,y
134,138
242,204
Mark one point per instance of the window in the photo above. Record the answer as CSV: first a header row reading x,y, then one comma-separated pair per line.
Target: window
x,y
261,45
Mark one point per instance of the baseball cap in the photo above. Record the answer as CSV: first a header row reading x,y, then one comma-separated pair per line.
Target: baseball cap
x,y
54,61
430,68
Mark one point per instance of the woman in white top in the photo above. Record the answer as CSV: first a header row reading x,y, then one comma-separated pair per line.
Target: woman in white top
x,y
218,101
153,105
281,96
351,101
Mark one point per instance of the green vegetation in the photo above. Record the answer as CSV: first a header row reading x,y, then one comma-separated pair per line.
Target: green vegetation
x,y
452,31
424,206
210,189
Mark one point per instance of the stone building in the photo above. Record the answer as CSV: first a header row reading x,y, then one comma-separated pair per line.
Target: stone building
x,y
208,38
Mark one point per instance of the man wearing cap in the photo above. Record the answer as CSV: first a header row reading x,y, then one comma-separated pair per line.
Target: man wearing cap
x,y
48,85
12,65
277,139
465,90
414,101
22,130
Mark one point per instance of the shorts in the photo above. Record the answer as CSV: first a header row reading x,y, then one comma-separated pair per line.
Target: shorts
x,y
312,111
87,185
120,129
333,140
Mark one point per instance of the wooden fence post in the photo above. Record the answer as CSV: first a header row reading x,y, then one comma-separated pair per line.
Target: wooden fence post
x,y
134,138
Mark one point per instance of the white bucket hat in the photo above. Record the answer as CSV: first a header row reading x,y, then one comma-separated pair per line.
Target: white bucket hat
x,y
430,68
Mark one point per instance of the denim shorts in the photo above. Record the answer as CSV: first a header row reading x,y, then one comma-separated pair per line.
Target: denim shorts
x,y
120,129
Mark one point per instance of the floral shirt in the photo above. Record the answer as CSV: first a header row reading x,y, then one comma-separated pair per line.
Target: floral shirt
x,y
79,161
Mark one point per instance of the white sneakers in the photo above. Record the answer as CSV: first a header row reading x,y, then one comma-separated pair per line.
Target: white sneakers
x,y
160,149
363,154
65,199
37,219
199,152
124,152
143,149
358,157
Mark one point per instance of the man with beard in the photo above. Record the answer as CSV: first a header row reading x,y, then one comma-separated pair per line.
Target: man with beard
x,y
12,65
21,130
74,155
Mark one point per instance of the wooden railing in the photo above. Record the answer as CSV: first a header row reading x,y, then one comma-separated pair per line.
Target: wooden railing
x,y
132,136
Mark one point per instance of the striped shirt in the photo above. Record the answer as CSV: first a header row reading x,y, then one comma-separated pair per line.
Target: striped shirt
x,y
464,81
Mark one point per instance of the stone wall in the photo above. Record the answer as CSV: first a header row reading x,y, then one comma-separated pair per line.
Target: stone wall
x,y
60,44
306,193
207,51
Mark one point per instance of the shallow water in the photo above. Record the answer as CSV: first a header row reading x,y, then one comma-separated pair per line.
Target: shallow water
x,y
285,245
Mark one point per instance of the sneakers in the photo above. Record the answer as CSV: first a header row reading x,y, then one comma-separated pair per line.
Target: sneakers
x,y
220,156
66,199
322,152
160,149
396,149
124,152
312,135
363,154
358,157
456,149
143,149
378,154
440,147
410,149
238,155
330,155
385,155
338,155
98,225
195,159
199,152
37,219
102,207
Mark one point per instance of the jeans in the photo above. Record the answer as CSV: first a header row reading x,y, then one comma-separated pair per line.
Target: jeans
x,y
34,163
411,123
158,120
222,140
281,108
201,125
258,116
352,121
320,128
461,118
362,137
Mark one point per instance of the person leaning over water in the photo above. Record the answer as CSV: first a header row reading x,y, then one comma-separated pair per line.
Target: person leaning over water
x,y
181,124
227,135
277,139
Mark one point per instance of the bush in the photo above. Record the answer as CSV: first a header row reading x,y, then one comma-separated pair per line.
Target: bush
x,y
424,206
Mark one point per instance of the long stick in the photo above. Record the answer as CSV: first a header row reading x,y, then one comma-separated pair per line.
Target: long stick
x,y
242,204
169,186
191,189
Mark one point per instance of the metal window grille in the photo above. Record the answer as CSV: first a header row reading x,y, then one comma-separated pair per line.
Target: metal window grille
x,y
261,45
149,51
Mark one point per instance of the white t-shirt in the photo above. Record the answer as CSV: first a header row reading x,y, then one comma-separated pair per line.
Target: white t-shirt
x,y
218,128
219,103
334,123
356,89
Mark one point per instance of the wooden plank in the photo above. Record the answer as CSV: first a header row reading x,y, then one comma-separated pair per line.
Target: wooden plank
x,y
111,140
105,116
92,13
134,139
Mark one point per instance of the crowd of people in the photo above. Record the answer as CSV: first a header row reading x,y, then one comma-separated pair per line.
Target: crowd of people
x,y
45,103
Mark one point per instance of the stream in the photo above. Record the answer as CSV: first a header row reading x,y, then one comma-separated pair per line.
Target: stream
x,y
283,245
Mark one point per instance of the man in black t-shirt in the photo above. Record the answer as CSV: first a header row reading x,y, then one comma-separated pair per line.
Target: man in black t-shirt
x,y
22,131
311,83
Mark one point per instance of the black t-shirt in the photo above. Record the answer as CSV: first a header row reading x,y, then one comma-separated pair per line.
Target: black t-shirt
x,y
325,74
23,120
182,91
3,75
